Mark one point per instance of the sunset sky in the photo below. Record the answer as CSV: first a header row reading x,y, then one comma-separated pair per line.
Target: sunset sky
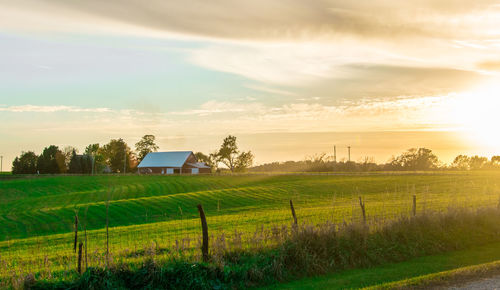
x,y
288,78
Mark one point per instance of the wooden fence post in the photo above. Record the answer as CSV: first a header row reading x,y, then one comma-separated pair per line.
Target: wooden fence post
x,y
85,234
76,232
107,234
362,205
414,205
293,213
80,246
204,227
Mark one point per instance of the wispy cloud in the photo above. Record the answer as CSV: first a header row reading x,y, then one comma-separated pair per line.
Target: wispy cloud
x,y
215,107
52,109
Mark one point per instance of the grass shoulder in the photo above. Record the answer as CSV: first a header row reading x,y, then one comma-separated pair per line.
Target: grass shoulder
x,y
436,270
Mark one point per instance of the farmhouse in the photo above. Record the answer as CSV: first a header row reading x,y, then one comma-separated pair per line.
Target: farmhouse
x,y
173,162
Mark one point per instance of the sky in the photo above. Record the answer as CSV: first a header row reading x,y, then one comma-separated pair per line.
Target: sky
x,y
289,78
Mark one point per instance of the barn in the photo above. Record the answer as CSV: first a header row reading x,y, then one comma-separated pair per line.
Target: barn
x,y
173,162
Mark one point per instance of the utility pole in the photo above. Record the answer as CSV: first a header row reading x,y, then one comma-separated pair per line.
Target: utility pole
x,y
124,160
349,152
1,164
92,162
335,153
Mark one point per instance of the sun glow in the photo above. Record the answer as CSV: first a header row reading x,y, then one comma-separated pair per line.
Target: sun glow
x,y
477,112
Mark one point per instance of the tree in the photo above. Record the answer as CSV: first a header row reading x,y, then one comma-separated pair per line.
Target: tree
x,y
51,161
416,159
75,164
68,154
244,161
229,155
94,152
117,155
461,162
477,162
25,164
210,159
145,146
495,161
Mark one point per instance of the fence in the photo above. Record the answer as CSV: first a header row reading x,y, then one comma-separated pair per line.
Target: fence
x,y
180,235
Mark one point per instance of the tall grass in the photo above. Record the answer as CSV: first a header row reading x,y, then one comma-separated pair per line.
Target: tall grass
x,y
307,249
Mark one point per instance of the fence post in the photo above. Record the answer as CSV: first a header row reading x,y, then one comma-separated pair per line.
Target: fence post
x,y
76,232
293,213
204,227
362,205
107,234
414,205
85,234
80,246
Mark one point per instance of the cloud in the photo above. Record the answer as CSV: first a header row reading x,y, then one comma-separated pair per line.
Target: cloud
x,y
368,114
288,42
215,107
52,109
493,65
268,20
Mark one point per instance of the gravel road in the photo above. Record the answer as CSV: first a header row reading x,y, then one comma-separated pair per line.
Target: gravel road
x,y
492,283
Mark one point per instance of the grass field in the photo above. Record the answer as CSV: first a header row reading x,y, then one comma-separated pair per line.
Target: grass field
x,y
158,213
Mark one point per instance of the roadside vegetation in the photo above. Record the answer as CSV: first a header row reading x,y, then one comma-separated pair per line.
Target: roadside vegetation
x,y
440,270
306,250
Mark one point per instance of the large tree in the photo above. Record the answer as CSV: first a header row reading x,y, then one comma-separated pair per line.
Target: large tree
x,y
95,153
244,161
118,156
51,161
478,162
145,146
495,161
461,162
80,164
68,154
230,156
416,159
25,164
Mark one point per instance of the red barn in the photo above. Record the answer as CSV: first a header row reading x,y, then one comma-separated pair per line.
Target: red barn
x,y
173,162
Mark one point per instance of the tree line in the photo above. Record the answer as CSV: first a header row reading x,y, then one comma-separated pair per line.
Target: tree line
x,y
117,157
415,159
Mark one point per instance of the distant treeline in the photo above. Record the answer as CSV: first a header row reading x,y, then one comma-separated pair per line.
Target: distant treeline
x,y
411,160
117,157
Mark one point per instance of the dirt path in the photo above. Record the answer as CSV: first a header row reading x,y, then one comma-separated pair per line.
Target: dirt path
x,y
484,283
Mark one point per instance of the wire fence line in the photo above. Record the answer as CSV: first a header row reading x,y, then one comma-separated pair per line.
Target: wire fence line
x,y
230,227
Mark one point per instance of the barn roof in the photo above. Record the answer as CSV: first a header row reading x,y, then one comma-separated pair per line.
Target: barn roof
x,y
165,159
199,165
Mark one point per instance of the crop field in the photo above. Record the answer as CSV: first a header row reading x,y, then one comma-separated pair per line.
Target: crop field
x,y
157,215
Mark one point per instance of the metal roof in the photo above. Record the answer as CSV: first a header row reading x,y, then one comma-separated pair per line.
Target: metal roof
x,y
199,165
165,159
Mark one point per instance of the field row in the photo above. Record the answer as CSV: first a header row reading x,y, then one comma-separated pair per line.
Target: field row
x,y
43,206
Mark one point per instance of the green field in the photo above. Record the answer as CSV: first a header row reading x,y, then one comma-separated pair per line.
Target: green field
x,y
158,213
